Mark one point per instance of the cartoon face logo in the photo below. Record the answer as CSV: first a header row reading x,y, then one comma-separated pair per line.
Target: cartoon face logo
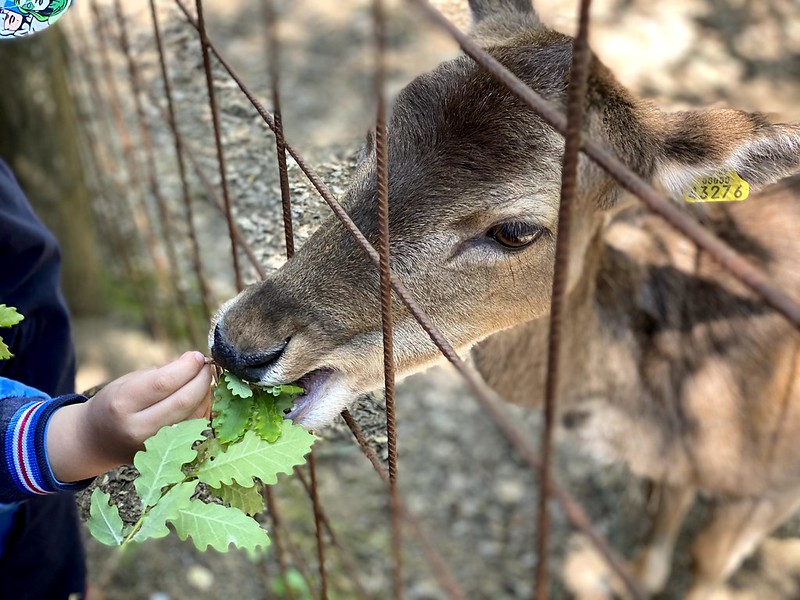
x,y
23,17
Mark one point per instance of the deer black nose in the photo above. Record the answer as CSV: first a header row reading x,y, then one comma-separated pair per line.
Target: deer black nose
x,y
251,365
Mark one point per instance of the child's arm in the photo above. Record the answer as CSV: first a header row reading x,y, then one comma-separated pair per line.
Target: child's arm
x,y
49,445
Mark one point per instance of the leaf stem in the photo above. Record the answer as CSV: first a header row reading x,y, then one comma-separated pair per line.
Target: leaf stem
x,y
136,527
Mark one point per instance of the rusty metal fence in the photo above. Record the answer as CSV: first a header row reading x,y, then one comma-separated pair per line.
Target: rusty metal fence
x,y
132,174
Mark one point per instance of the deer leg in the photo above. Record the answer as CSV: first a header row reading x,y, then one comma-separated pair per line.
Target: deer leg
x,y
588,577
653,565
735,531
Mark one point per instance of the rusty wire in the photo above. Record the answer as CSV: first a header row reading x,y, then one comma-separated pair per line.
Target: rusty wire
x,y
323,573
440,568
211,192
206,299
347,560
275,536
167,228
382,197
273,58
487,398
212,102
576,102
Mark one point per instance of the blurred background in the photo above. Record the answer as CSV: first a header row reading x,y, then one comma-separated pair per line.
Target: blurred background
x,y
82,124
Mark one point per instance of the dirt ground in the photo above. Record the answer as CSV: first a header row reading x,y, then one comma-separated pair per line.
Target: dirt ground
x,y
474,496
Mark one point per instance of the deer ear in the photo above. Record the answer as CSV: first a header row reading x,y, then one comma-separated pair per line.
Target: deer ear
x,y
704,143
366,150
495,20
482,9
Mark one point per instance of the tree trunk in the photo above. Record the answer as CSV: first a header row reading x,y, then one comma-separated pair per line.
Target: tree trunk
x,y
39,139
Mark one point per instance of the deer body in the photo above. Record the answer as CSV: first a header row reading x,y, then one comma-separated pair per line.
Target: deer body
x,y
690,378
669,363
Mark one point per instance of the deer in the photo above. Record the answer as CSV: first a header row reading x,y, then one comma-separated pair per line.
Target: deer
x,y
670,364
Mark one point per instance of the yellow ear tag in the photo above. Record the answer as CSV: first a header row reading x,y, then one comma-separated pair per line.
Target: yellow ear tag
x,y
721,187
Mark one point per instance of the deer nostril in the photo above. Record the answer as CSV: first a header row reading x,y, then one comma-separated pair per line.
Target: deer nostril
x,y
264,358
250,365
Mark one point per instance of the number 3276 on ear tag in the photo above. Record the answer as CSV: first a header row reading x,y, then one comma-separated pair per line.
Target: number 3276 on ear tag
x,y
19,18
722,187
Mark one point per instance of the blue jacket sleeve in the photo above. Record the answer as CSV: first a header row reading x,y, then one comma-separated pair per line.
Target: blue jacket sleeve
x,y
29,280
24,464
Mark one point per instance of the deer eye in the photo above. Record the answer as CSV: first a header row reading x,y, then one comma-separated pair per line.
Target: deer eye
x,y
515,235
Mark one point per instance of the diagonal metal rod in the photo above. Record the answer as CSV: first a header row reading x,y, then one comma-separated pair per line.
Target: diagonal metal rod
x,y
487,398
212,194
212,102
576,104
738,266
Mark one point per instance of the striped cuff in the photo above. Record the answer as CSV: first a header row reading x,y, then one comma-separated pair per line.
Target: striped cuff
x,y
26,447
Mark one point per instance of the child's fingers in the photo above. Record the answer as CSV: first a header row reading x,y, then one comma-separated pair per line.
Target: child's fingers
x,y
182,404
204,410
146,388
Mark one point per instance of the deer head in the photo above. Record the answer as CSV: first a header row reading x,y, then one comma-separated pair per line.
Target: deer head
x,y
474,179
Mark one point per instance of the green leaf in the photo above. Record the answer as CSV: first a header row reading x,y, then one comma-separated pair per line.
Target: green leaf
x,y
160,463
267,417
154,523
208,448
253,457
231,414
219,527
5,353
9,316
246,499
104,521
288,389
237,386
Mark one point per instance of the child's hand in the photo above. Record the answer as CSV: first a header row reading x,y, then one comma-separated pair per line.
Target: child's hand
x,y
84,440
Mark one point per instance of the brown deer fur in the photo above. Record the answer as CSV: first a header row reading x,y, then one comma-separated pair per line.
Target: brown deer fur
x,y
670,364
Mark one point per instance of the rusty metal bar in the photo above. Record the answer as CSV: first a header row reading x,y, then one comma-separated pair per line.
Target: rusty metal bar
x,y
205,291
212,102
439,567
726,256
167,228
323,573
350,567
273,58
576,103
382,197
487,397
275,535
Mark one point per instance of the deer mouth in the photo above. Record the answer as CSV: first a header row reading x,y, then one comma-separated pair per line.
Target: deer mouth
x,y
325,395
